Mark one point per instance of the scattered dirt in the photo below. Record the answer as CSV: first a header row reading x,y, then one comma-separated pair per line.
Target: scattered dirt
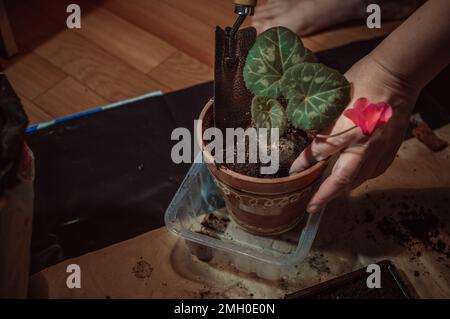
x,y
209,294
409,227
319,262
415,226
215,223
142,269
283,284
235,290
411,223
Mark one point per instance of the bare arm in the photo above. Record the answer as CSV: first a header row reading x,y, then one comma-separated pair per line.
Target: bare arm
x,y
394,72
420,47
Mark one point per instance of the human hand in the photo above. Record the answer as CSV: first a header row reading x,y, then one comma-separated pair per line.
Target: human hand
x,y
361,157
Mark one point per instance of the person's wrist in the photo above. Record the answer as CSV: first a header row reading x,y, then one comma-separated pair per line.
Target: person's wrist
x,y
392,77
373,80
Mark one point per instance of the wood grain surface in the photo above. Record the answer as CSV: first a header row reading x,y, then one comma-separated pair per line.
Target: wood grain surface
x,y
124,49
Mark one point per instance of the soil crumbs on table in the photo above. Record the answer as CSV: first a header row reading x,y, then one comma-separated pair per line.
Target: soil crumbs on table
x,y
142,269
319,262
412,224
409,227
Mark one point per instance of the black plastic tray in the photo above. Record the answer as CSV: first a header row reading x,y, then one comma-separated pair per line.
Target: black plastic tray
x,y
353,286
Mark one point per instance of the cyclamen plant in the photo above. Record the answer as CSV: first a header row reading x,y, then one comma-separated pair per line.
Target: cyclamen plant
x,y
278,66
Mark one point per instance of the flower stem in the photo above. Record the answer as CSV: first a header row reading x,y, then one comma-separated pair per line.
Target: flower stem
x,y
334,135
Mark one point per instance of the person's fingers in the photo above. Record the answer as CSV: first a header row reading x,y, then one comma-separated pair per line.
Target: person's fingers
x,y
261,26
322,148
344,173
367,171
258,25
386,161
372,169
378,158
268,10
382,165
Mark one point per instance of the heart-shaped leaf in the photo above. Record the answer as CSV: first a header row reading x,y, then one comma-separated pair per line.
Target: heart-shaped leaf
x,y
268,113
273,53
317,95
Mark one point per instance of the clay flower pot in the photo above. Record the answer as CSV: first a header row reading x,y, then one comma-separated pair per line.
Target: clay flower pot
x,y
262,206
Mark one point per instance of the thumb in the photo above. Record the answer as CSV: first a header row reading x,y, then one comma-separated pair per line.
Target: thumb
x,y
322,148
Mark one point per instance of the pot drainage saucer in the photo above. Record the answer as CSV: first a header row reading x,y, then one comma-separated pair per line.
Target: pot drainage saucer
x,y
197,214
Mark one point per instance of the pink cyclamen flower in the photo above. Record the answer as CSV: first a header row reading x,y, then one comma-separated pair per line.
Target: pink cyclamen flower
x,y
369,116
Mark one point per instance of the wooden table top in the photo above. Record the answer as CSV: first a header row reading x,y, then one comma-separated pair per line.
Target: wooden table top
x,y
158,265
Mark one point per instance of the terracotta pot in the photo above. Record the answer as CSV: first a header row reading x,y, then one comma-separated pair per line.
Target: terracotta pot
x,y
259,205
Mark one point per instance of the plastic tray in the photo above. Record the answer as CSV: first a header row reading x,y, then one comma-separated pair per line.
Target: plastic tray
x,y
394,285
269,257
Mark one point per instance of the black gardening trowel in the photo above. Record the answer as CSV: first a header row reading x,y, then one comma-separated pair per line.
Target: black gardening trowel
x,y
231,97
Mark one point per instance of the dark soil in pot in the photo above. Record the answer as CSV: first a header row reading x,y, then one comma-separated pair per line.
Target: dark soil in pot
x,y
291,145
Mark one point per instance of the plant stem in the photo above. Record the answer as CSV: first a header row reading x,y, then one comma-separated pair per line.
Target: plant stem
x,y
334,135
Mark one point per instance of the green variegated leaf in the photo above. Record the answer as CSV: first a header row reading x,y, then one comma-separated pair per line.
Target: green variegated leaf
x,y
268,113
273,53
317,95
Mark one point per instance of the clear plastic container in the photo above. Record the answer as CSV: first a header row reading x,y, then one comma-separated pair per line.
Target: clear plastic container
x,y
197,214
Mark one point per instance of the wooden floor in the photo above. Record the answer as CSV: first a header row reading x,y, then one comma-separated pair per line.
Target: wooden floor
x,y
124,48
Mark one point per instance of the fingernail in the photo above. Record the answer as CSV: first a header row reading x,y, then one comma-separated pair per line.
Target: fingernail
x,y
294,169
312,209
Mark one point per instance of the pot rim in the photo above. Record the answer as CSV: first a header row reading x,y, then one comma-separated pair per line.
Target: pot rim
x,y
233,174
